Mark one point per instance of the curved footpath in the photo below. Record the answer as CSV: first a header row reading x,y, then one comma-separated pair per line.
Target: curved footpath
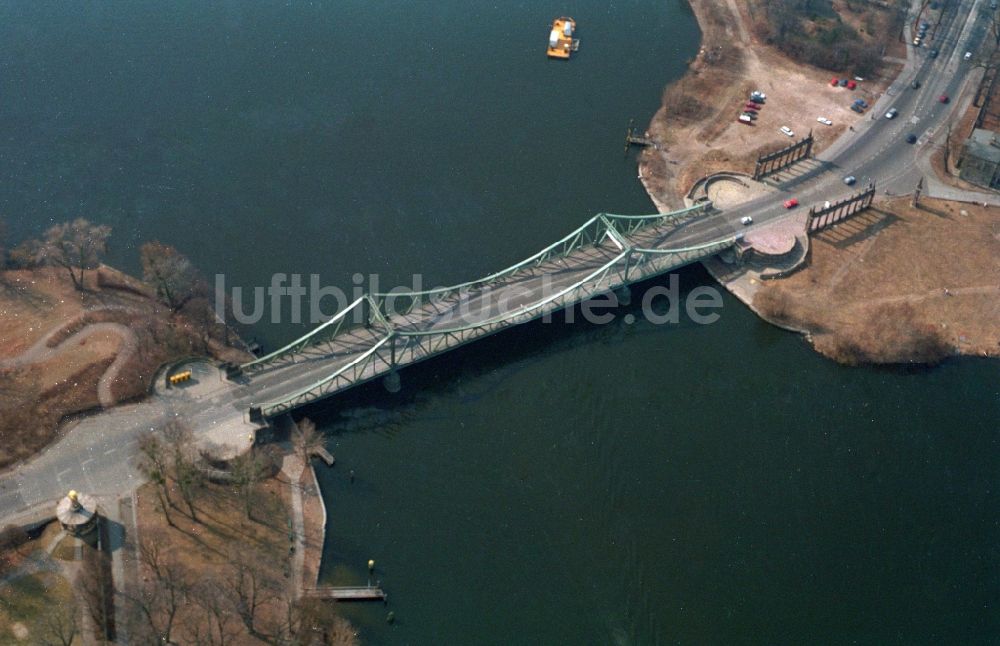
x,y
41,351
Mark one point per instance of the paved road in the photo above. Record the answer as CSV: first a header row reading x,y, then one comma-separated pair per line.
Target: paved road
x,y
97,455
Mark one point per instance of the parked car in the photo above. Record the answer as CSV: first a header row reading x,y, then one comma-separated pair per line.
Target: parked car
x,y
834,82
858,79
791,204
752,106
759,93
911,138
943,98
967,56
744,119
933,53
843,83
891,114
787,131
915,85
746,219
856,108
860,103
850,179
824,121
752,115
851,85
916,41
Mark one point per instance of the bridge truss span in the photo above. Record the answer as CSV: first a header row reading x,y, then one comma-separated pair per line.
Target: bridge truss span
x,y
605,253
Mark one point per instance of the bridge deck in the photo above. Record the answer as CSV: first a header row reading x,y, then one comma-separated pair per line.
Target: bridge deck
x,y
433,327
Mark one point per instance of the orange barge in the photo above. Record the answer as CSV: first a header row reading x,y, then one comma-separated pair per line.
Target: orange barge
x,y
561,41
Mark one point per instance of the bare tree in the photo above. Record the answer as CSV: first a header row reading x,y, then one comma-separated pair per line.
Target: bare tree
x,y
249,587
160,602
187,475
76,246
153,465
171,273
59,624
24,255
248,471
218,625
206,320
306,440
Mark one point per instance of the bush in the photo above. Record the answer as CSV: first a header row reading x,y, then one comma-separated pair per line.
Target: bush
x,y
892,334
12,537
810,31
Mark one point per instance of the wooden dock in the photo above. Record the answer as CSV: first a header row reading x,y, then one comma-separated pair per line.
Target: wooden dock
x,y
357,593
324,455
633,139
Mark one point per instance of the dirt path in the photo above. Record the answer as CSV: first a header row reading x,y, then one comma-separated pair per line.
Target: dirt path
x,y
740,25
937,293
40,351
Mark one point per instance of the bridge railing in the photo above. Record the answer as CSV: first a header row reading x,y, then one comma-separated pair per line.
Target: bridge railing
x,y
629,224
523,311
381,306
362,309
349,374
591,232
646,264
408,346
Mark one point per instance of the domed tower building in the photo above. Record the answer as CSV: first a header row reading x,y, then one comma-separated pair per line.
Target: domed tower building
x,y
77,513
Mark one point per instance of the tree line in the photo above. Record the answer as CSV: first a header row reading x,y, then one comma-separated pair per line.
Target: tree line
x,y
812,32
79,246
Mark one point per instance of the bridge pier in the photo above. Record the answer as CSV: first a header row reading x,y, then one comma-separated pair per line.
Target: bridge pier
x,y
624,295
392,382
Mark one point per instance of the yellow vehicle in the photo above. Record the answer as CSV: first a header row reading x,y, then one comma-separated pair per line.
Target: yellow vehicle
x,y
561,41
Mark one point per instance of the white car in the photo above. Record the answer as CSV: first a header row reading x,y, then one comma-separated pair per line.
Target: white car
x,y
746,219
785,130
891,114
967,56
824,121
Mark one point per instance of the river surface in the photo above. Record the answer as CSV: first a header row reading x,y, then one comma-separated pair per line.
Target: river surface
x,y
625,483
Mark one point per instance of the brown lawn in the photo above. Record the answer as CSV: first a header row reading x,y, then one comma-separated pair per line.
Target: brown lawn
x,y
898,284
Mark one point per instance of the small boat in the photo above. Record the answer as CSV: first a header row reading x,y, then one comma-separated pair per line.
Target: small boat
x,y
561,41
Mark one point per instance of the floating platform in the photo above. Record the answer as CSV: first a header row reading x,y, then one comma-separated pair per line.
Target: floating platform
x,y
358,593
561,41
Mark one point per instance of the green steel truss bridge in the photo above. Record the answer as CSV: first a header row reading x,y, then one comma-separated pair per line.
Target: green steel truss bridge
x,y
379,333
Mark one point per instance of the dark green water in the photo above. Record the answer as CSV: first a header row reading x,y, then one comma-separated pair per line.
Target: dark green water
x,y
557,484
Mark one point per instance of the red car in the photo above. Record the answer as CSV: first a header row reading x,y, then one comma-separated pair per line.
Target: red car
x,y
791,204
943,98
751,106
834,82
851,85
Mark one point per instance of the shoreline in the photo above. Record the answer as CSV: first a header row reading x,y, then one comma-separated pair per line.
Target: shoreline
x,y
701,138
